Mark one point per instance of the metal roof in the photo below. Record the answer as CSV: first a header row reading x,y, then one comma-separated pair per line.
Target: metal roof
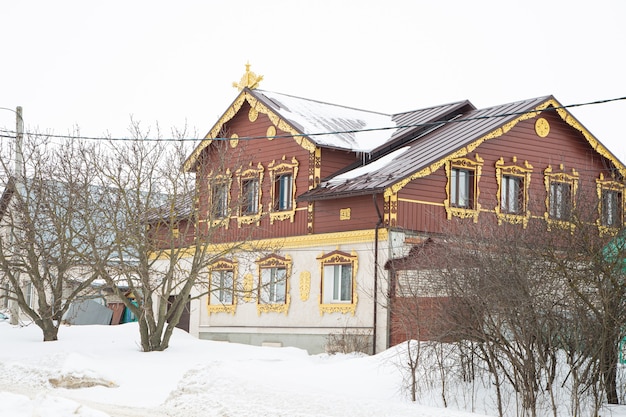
x,y
340,127
423,152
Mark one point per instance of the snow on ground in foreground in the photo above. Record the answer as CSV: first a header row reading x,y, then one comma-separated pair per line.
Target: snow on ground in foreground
x,y
193,377
196,378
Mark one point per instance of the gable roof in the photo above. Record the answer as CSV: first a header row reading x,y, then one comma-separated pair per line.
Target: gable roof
x,y
452,140
318,124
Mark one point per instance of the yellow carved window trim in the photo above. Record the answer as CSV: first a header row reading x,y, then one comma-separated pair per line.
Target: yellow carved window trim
x,y
305,285
277,170
219,307
561,177
603,185
475,168
524,173
332,259
214,181
268,263
249,174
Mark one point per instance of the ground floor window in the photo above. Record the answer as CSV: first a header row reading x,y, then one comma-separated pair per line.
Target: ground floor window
x,y
338,282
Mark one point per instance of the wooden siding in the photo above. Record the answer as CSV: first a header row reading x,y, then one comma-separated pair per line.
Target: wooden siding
x,y
421,202
335,160
363,214
249,154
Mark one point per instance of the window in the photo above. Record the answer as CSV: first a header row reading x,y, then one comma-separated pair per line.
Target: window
x,y
512,194
249,181
338,283
462,188
28,294
273,286
560,204
611,207
561,190
4,296
273,289
219,199
283,186
250,197
222,287
338,292
283,174
222,275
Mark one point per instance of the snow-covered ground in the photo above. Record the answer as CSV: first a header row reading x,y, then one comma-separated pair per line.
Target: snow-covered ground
x,y
193,378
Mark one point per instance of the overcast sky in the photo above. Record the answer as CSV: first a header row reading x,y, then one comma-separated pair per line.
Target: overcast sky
x,y
92,65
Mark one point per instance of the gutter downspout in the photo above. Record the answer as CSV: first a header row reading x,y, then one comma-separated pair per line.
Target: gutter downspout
x,y
378,224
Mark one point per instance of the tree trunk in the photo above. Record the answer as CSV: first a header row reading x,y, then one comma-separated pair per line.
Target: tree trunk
x,y
50,331
609,371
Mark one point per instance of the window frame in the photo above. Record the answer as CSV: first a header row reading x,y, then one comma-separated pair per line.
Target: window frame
x,y
512,201
605,187
328,303
222,265
554,181
277,171
273,263
473,169
468,176
250,175
250,197
505,173
217,181
560,204
220,197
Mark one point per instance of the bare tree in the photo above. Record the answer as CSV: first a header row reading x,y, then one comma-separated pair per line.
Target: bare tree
x,y
43,214
162,245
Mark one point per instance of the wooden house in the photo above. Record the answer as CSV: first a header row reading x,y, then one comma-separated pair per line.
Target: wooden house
x,y
336,193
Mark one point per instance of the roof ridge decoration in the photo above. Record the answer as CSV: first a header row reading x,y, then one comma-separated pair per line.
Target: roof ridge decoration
x,y
248,80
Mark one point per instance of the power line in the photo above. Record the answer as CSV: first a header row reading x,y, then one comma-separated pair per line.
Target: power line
x,y
11,134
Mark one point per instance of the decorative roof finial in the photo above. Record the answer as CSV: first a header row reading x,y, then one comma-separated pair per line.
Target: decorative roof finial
x,y
249,79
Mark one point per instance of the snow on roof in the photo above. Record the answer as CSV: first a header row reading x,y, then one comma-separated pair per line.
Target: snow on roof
x,y
369,168
342,127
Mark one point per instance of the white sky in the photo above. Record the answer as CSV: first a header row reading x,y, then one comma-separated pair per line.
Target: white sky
x,y
94,64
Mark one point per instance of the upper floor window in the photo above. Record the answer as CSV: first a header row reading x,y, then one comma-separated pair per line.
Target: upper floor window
x,y
561,190
462,189
273,285
560,204
512,194
250,196
219,200
283,192
611,208
513,183
250,180
283,186
611,204
338,282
